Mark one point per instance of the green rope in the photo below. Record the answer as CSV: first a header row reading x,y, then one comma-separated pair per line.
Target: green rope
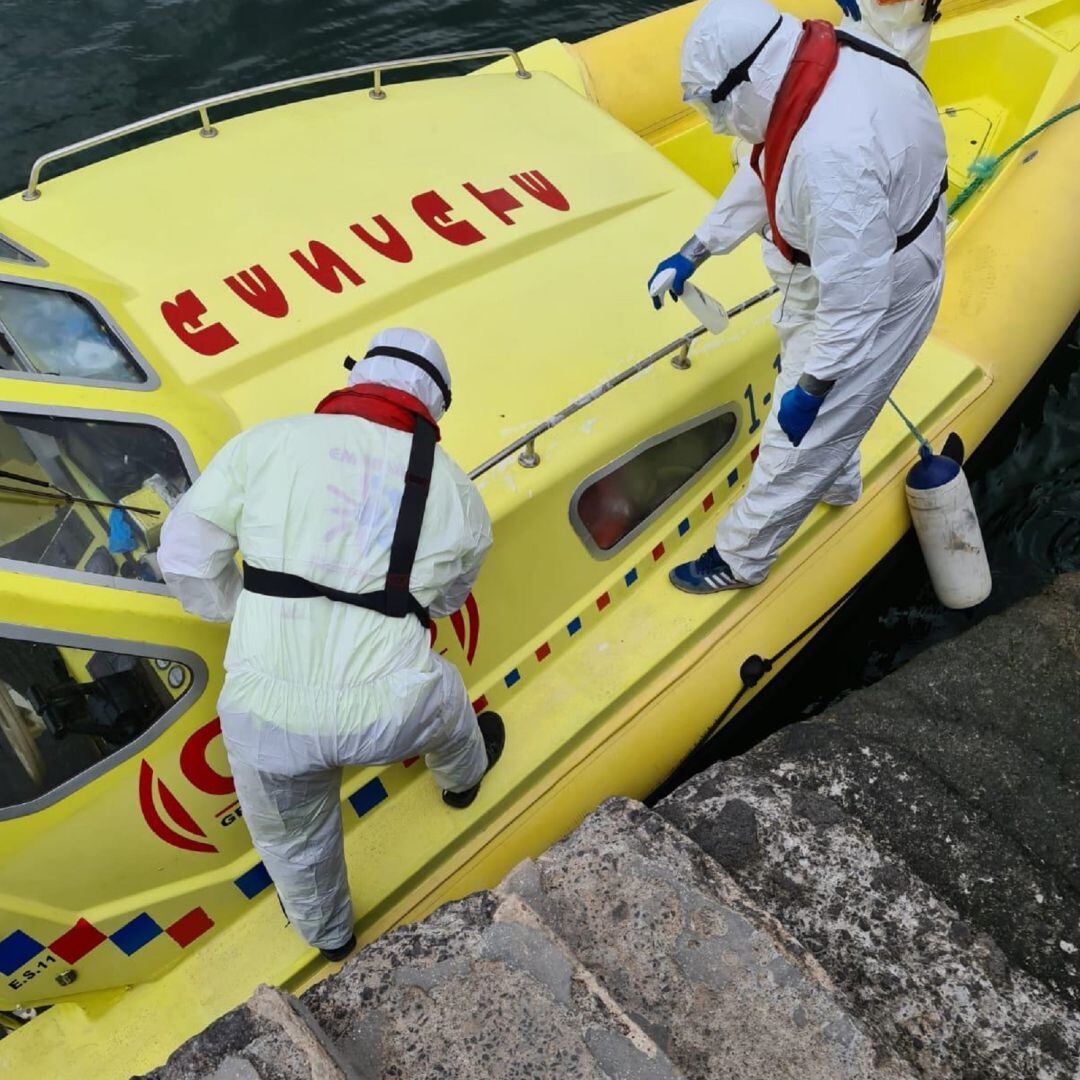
x,y
982,169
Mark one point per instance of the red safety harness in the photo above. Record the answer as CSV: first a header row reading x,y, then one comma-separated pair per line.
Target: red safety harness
x,y
802,85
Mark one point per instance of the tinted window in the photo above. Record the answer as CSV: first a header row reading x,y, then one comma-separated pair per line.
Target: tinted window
x,y
612,504
64,709
125,476
52,332
14,254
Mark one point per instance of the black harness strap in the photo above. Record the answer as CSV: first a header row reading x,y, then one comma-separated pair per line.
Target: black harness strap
x,y
394,600
857,44
409,357
740,73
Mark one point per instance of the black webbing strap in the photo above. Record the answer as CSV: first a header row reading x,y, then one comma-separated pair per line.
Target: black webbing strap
x,y
857,44
740,73
923,223
394,600
409,357
410,520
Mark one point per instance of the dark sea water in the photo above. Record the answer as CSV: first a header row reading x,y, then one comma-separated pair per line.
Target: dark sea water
x,y
72,68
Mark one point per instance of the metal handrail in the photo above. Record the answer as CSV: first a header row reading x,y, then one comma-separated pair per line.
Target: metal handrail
x,y
529,458
208,131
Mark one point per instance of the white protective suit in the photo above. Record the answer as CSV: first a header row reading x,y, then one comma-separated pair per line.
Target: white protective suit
x,y
863,169
312,684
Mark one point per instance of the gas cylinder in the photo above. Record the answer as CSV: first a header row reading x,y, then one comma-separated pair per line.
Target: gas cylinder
x,y
947,526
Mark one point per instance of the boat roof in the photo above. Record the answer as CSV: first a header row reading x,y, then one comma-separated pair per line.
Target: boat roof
x,y
510,218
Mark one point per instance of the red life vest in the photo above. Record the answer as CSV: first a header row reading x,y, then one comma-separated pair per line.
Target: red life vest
x,y
381,404
814,60
809,71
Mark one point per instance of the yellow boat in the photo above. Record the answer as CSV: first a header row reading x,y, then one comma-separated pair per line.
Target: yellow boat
x,y
159,300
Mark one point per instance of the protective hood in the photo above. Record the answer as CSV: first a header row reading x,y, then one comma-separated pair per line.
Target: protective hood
x,y
397,358
897,26
724,36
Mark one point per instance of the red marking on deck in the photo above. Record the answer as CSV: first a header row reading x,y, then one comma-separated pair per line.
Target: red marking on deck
x,y
73,945
658,552
480,703
754,453
410,761
707,502
222,813
603,601
189,927
543,652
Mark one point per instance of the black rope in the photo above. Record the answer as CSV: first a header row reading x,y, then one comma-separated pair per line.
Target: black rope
x,y
754,668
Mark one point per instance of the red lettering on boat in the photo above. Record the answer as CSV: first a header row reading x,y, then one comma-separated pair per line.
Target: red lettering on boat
x,y
394,246
326,267
184,315
258,289
536,184
498,200
434,211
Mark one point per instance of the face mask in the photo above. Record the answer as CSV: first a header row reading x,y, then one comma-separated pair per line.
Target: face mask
x,y
717,114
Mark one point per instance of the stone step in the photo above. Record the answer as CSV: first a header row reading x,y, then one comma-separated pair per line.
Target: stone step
x,y
271,1036
918,810
481,989
911,970
718,984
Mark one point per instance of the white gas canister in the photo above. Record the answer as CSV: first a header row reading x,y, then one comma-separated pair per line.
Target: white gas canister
x,y
948,530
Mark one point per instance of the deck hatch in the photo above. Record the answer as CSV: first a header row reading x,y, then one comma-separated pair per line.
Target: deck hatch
x,y
617,502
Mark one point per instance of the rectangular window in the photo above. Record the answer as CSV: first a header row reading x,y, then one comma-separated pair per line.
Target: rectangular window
x,y
615,503
65,709
52,332
86,494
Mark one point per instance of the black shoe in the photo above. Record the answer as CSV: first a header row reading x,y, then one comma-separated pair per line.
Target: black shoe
x,y
494,733
334,955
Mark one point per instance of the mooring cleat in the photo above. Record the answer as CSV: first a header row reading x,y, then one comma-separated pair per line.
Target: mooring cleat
x,y
708,573
494,733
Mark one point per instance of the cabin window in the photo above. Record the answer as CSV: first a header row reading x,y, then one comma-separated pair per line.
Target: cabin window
x,y
86,494
48,331
616,503
13,253
65,709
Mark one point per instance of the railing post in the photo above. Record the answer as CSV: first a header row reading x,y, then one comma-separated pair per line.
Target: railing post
x,y
522,72
377,92
529,458
681,359
207,131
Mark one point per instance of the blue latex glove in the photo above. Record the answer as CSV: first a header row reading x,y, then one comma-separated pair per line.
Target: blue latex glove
x,y
851,9
670,276
121,537
797,412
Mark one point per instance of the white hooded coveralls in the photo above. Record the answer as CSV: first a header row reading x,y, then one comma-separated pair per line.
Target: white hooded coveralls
x,y
312,684
861,171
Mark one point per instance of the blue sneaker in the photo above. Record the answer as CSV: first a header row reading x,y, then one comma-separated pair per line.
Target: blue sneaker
x,y
707,574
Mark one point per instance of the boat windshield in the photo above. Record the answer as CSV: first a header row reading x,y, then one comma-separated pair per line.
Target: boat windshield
x,y
86,494
65,709
52,332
